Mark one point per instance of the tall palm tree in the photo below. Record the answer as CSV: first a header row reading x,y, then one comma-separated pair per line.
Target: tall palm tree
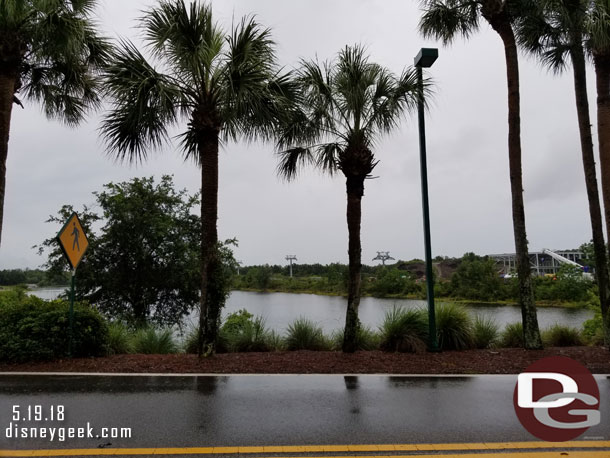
x,y
598,32
444,20
345,106
555,31
222,85
49,53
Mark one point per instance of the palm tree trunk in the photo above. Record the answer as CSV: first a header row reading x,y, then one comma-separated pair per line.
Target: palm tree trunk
x,y
355,191
588,162
7,92
531,333
602,77
208,316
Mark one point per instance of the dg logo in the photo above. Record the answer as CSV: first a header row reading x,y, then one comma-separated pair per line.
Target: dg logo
x,y
557,399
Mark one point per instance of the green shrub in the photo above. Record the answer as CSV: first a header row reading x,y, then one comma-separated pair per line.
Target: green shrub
x,y
303,334
12,296
151,341
33,329
236,321
512,336
561,336
366,339
453,327
404,330
593,330
119,338
252,337
485,332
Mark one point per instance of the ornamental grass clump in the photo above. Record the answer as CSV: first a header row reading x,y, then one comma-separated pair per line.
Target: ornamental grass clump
x,y
119,339
512,336
561,336
152,341
366,339
404,330
485,332
454,327
253,336
304,334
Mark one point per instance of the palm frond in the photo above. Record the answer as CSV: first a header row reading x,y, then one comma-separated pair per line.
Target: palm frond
x,y
250,81
58,52
185,38
328,157
292,160
446,19
341,109
551,30
598,27
145,103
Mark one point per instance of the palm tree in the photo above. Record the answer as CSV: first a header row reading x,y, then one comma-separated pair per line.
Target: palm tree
x,y
49,53
598,32
345,106
223,85
444,20
555,31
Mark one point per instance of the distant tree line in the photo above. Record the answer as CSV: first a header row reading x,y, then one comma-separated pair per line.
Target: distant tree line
x,y
471,277
38,277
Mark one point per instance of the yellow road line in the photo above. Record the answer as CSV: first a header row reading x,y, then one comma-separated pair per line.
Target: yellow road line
x,y
485,447
196,450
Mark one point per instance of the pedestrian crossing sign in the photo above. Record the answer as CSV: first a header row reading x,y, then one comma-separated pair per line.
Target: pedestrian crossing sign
x,y
73,240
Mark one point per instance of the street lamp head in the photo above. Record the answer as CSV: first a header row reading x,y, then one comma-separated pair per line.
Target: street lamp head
x,y
426,57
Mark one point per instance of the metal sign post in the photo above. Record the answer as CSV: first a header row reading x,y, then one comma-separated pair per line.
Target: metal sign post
x,y
73,242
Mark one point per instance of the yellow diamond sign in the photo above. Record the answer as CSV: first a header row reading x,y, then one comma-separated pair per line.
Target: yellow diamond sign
x,y
73,240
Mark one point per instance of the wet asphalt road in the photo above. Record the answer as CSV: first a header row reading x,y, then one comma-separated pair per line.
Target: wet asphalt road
x,y
273,410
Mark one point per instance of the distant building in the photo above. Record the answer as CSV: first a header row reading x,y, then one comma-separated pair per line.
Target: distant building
x,y
542,263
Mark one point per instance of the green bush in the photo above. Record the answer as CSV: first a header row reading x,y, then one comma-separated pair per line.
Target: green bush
x,y
151,341
303,334
12,296
485,332
252,337
561,336
32,329
512,336
593,330
366,339
453,327
119,339
237,321
404,330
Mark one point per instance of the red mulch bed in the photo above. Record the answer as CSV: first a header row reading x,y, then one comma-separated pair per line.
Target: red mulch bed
x,y
500,361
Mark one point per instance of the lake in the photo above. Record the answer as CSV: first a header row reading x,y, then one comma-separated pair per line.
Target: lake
x,y
280,309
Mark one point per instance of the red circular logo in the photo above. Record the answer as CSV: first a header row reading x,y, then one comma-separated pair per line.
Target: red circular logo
x,y
557,399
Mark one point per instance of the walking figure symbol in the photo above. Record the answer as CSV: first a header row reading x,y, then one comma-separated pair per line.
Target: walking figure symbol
x,y
75,234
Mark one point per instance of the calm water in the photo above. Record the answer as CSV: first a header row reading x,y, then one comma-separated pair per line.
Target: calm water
x,y
280,309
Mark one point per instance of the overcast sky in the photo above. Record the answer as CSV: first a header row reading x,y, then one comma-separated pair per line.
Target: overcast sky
x,y
470,206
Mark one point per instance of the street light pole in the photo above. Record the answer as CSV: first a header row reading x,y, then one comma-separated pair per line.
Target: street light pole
x,y
425,58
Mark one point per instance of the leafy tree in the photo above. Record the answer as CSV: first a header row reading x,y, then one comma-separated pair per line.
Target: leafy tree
x,y
476,278
445,19
555,31
345,106
392,281
49,52
223,85
142,264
